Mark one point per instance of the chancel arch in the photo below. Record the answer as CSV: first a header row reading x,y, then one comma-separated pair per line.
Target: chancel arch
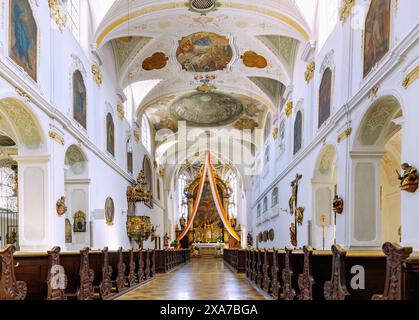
x,y
376,157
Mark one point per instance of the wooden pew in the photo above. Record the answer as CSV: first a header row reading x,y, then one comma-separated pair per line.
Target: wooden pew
x,y
105,286
267,269
10,289
259,263
288,292
56,280
305,279
335,289
116,260
130,271
275,273
394,281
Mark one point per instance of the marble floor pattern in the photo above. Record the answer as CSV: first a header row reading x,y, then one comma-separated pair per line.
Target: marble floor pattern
x,y
201,279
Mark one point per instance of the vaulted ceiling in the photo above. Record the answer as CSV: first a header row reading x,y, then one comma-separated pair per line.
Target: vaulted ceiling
x,y
216,63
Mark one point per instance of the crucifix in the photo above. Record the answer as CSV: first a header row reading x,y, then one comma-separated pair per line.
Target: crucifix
x,y
294,209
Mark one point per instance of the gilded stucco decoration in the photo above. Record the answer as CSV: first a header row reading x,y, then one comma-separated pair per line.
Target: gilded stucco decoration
x,y
23,122
97,75
346,9
204,52
156,61
120,110
252,59
309,73
288,109
246,123
411,77
56,137
57,13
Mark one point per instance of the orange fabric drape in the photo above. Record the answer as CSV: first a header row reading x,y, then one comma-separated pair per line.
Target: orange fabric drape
x,y
207,168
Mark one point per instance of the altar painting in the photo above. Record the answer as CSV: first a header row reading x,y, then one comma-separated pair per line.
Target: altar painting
x,y
208,226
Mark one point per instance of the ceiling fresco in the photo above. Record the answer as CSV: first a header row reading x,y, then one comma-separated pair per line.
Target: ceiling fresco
x,y
204,52
198,109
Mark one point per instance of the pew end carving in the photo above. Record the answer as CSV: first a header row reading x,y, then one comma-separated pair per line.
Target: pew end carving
x,y
10,289
396,257
306,280
57,280
335,289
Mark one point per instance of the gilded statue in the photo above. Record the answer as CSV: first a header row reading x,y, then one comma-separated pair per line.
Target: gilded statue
x,y
299,212
61,207
293,199
166,239
338,204
138,192
12,237
409,179
293,235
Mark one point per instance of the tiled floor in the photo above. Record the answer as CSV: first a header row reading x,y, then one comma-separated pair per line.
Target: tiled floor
x,y
201,279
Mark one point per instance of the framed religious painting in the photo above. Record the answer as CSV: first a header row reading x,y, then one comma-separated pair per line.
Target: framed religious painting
x,y
23,37
109,211
376,33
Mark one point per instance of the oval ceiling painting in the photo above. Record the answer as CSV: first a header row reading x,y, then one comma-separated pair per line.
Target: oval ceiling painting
x,y
206,109
204,52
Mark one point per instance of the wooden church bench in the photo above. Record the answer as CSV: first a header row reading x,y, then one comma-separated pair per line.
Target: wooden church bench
x,y
394,280
276,274
105,286
288,292
10,288
267,270
335,288
259,265
305,279
32,268
57,279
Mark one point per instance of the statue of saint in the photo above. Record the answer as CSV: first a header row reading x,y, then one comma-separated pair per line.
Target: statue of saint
x,y
166,239
337,204
293,235
208,233
409,180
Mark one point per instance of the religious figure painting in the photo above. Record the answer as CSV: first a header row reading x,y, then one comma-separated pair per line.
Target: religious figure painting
x,y
23,47
207,222
298,128
79,99
110,135
204,52
325,95
377,33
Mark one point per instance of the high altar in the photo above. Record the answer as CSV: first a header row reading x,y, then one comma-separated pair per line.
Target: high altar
x,y
207,229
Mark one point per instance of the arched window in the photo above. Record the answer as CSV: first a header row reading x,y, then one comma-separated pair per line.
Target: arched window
x,y
298,132
145,133
258,211
110,135
265,205
376,34
325,96
282,135
274,197
73,14
79,99
182,199
267,131
129,157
